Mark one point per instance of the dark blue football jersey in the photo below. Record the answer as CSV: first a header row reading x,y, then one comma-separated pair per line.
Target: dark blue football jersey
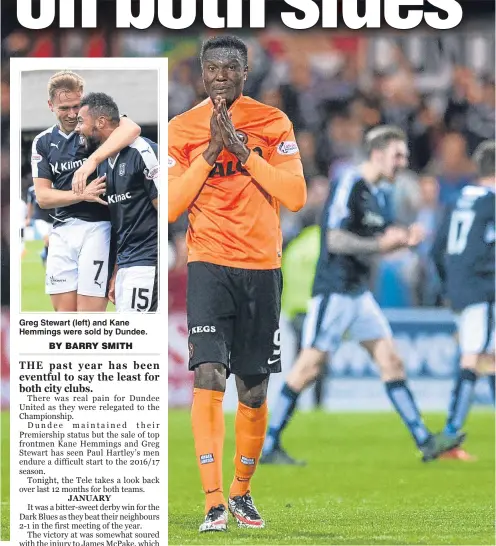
x,y
56,156
463,250
132,185
353,205
38,213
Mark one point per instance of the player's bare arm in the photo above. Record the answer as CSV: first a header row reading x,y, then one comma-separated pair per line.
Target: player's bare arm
x,y
29,214
340,241
126,133
49,197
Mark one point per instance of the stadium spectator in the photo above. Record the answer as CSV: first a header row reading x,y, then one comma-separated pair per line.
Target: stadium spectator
x,y
452,166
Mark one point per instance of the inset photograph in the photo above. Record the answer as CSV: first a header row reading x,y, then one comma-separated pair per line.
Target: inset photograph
x,y
89,189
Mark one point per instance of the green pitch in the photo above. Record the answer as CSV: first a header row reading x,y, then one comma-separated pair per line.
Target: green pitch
x,y
5,476
33,297
363,484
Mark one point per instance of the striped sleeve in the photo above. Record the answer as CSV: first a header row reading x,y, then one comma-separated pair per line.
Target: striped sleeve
x,y
148,154
40,166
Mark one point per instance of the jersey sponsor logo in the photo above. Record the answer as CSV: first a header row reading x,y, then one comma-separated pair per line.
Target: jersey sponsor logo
x,y
373,219
152,173
288,147
202,329
230,168
55,145
59,168
171,162
122,169
119,197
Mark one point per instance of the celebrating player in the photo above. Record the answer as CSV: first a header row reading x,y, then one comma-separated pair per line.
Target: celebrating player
x,y
232,162
132,196
355,228
464,256
78,265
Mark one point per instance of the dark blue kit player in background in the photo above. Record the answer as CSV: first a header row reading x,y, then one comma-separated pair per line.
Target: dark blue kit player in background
x,y
463,252
355,228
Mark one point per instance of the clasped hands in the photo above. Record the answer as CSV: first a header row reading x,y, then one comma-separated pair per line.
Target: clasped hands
x,y
223,135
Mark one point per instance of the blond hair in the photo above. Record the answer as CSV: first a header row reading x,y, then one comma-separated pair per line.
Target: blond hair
x,y
66,81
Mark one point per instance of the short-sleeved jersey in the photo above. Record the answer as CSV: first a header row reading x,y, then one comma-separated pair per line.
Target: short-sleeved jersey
x,y
132,185
353,205
233,221
56,156
463,250
38,213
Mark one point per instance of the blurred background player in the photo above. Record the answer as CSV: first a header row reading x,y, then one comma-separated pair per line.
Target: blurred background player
x,y
356,226
232,162
80,238
41,219
131,187
463,252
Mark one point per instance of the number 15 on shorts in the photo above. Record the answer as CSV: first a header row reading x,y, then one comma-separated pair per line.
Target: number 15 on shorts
x,y
136,290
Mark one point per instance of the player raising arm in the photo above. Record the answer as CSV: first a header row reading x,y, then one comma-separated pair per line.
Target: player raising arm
x,y
463,252
355,228
232,162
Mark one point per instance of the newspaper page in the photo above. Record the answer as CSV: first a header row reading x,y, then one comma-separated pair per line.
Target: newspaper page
x,y
88,383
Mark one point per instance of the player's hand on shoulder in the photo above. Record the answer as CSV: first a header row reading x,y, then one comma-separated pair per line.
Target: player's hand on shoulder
x,y
416,234
81,175
95,189
393,238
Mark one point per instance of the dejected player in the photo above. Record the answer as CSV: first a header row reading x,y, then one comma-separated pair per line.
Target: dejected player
x,y
77,268
463,252
131,179
356,226
232,162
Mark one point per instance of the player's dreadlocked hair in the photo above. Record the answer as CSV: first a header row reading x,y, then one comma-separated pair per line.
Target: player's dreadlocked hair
x,y
379,137
484,158
66,81
100,104
230,42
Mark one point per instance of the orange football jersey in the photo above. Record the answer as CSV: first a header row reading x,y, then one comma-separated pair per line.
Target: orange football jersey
x,y
233,221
